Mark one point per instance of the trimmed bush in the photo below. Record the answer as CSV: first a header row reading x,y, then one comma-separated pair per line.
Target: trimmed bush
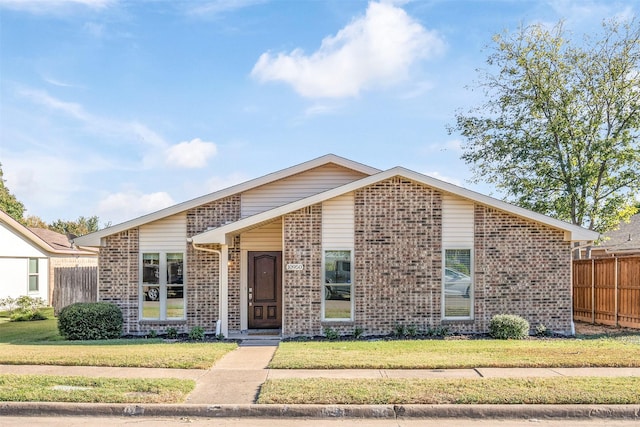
x,y
508,327
90,321
196,333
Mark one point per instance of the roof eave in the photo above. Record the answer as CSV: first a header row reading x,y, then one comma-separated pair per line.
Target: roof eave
x,y
572,232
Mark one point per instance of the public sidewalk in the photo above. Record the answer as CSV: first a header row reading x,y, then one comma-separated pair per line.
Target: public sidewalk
x,y
231,386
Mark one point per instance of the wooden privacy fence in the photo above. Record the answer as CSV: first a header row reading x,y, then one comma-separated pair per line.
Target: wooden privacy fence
x,y
74,284
607,291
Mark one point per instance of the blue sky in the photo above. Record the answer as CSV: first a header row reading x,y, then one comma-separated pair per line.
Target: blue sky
x,y
118,108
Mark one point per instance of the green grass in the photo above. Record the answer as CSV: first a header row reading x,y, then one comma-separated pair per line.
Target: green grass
x,y
563,390
38,330
39,343
49,388
448,354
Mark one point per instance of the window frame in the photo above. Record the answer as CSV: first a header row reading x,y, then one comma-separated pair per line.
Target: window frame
x,y
351,286
472,284
34,274
163,285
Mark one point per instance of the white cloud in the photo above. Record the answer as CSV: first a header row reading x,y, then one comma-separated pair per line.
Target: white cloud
x,y
123,130
45,181
375,50
43,98
122,206
217,7
52,6
190,154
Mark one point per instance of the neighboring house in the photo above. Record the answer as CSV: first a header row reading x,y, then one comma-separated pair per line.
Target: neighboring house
x,y
625,240
332,243
28,257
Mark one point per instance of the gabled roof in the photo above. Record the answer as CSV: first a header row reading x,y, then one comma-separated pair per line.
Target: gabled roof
x,y
93,239
625,238
47,240
219,235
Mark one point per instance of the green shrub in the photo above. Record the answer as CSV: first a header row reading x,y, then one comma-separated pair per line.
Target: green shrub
x,y
172,333
90,321
24,308
358,332
400,331
331,334
28,316
412,331
196,333
542,331
508,327
438,332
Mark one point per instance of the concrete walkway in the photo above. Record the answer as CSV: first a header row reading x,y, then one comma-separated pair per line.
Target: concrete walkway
x,y
230,388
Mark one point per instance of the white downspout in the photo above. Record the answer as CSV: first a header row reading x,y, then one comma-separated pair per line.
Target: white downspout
x,y
222,326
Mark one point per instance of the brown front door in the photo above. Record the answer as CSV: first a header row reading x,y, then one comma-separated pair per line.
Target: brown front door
x,y
265,290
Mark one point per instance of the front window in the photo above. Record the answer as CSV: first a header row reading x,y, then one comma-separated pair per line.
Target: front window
x,y
33,275
163,286
458,284
338,287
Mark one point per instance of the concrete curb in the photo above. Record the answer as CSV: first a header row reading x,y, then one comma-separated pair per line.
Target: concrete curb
x,y
324,411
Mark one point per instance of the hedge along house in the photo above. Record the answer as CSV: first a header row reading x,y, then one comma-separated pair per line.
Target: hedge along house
x,y
334,243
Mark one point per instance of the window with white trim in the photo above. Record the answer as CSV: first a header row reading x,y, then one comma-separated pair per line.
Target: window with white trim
x,y
457,281
34,286
162,288
337,296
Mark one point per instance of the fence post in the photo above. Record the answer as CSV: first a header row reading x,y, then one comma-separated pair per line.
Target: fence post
x,y
593,291
615,292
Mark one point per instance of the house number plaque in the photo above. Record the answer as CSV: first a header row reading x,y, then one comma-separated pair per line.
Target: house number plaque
x,y
295,267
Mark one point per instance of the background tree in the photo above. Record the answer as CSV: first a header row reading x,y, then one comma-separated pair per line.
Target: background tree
x,y
33,221
8,202
558,132
79,227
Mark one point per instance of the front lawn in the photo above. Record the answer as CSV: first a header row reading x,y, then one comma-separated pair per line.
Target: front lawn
x,y
563,390
50,388
39,343
449,354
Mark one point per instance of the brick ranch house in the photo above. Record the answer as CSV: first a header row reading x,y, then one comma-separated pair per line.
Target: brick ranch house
x,y
334,243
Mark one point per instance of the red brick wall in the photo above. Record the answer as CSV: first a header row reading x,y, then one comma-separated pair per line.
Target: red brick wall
x,y
203,267
523,268
119,269
118,276
398,257
302,234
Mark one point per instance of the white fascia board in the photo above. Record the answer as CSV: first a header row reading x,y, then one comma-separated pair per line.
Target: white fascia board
x,y
218,235
94,239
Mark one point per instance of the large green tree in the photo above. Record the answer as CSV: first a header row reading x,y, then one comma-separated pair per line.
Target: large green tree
x,y
558,129
8,202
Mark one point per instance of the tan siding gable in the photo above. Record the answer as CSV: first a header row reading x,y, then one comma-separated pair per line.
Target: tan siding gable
x,y
265,238
337,222
296,187
457,222
168,234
